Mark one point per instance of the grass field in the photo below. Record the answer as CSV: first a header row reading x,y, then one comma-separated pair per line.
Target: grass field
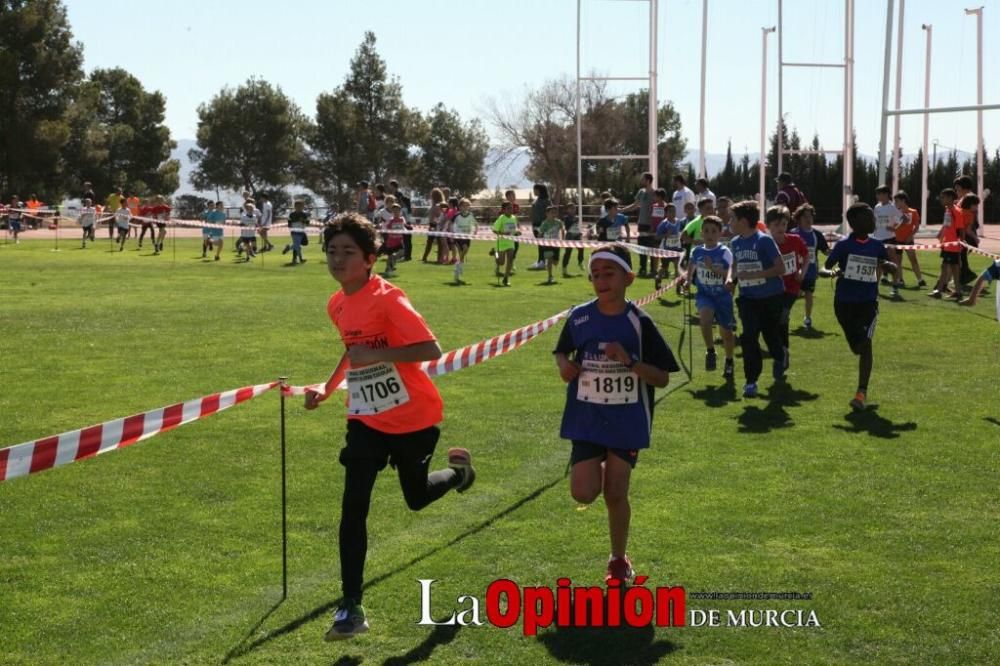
x,y
169,551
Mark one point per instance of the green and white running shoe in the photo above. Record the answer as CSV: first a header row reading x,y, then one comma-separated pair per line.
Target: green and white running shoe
x,y
348,621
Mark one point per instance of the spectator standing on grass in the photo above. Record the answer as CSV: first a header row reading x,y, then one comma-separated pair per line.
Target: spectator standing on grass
x,y
970,225
248,226
538,208
645,230
406,211
789,195
433,219
906,232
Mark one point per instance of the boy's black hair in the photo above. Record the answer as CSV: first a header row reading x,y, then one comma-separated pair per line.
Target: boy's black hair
x,y
661,192
669,206
968,201
506,204
453,201
883,189
778,212
394,183
363,183
711,219
719,200
610,203
859,212
902,196
354,225
647,175
702,181
619,250
965,182
949,192
678,178
379,187
746,210
706,200
508,192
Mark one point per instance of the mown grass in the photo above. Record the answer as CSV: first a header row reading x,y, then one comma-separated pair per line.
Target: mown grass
x,y
169,551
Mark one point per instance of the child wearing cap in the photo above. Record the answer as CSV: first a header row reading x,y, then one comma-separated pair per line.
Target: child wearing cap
x,y
393,407
612,357
859,260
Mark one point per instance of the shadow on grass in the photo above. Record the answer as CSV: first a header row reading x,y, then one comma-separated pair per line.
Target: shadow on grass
x,y
810,333
596,646
716,396
773,417
242,647
992,420
441,635
348,660
870,422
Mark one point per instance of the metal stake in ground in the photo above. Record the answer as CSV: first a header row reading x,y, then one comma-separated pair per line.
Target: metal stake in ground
x,y
57,218
284,504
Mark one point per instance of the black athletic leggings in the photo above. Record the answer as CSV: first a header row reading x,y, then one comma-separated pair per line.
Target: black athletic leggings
x,y
366,454
760,316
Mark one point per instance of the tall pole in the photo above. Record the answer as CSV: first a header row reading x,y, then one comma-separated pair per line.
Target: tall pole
x,y
849,106
654,131
899,96
579,132
763,114
781,96
928,28
979,100
887,62
704,55
284,497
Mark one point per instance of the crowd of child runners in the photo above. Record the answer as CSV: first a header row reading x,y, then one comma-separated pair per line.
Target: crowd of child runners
x,y
609,353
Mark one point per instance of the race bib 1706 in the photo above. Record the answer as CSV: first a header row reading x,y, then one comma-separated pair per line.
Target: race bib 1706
x,y
861,268
374,389
607,383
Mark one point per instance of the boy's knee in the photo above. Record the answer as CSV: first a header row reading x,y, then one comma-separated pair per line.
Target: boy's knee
x,y
615,494
584,495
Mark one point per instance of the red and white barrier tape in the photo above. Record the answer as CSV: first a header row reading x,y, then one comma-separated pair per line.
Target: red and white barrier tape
x,y
469,355
41,454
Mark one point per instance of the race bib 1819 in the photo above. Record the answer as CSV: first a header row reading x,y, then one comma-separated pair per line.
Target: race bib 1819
x,y
607,383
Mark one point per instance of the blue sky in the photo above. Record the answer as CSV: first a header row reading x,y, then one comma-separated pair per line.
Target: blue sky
x,y
462,51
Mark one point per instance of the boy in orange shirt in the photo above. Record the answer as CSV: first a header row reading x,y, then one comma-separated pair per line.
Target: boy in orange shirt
x,y
906,231
951,228
393,407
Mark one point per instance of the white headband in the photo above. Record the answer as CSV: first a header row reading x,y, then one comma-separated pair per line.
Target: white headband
x,y
609,256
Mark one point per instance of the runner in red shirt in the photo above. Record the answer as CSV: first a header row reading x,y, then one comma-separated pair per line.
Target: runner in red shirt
x,y
393,407
795,256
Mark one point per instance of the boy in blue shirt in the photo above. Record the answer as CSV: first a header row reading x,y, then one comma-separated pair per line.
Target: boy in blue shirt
x,y
758,270
803,218
711,269
668,232
859,262
613,227
612,357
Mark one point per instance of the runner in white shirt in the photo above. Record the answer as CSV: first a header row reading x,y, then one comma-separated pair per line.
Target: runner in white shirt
x,y
702,191
887,218
88,217
266,214
249,218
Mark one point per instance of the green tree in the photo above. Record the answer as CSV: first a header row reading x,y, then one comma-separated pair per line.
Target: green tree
x,y
39,69
363,130
118,137
249,138
452,153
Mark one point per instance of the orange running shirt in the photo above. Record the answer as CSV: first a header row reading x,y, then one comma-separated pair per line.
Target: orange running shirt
x,y
905,230
380,315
